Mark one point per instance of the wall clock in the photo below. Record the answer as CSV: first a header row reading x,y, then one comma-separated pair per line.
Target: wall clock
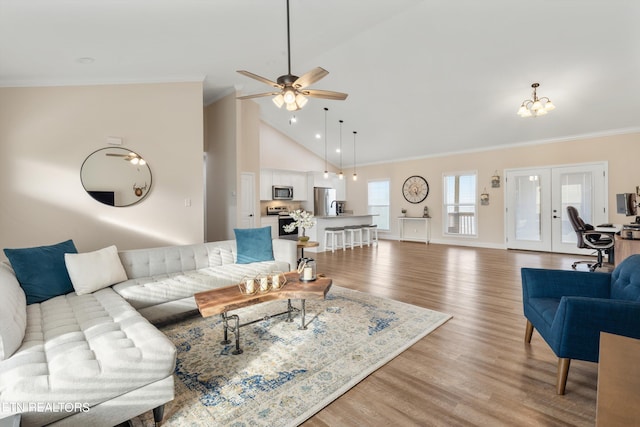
x,y
415,189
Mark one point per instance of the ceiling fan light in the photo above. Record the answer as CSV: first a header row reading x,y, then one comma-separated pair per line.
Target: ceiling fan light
x,y
289,96
279,100
142,162
135,161
301,100
292,107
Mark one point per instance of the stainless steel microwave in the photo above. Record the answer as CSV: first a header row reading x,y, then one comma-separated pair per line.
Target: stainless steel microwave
x,y
282,192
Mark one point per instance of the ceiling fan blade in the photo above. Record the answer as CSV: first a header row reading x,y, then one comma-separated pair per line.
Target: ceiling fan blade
x,y
310,78
326,94
258,95
259,78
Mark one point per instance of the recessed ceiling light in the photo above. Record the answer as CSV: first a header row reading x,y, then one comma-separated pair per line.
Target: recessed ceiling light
x,y
86,60
337,150
318,136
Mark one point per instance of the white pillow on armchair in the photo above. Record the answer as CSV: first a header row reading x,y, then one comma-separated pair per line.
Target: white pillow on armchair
x,y
92,271
13,314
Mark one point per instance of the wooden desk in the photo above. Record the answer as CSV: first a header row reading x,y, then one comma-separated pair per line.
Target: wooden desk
x,y
618,381
625,247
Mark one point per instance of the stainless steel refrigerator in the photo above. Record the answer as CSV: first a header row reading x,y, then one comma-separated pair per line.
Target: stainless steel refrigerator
x,y
324,201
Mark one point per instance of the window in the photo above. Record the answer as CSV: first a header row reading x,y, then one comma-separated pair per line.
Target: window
x,y
460,204
378,203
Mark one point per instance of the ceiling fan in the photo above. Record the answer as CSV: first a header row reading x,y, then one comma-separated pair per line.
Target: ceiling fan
x,y
131,157
292,89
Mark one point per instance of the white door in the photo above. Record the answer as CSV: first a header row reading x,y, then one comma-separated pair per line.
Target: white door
x,y
529,209
583,187
537,201
247,200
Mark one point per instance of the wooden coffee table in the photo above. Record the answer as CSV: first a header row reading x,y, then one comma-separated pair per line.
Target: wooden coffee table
x,y
223,300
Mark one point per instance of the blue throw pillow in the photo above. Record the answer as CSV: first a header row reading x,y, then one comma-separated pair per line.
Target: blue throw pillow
x,y
41,271
254,244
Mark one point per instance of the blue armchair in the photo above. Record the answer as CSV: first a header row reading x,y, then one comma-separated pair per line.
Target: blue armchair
x,y
569,309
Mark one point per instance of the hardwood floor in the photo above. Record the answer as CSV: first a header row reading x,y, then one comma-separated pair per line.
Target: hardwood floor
x,y
475,370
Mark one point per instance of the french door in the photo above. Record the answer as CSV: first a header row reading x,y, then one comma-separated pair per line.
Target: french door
x,y
537,200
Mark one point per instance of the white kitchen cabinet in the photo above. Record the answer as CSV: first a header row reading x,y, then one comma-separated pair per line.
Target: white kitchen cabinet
x,y
272,221
299,186
271,177
266,181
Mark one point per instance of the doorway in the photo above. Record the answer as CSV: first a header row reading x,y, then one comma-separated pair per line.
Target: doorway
x,y
537,200
247,200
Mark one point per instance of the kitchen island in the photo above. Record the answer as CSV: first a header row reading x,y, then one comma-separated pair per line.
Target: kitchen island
x,y
322,222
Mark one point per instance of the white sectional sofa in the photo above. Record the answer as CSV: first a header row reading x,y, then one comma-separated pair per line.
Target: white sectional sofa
x,y
95,358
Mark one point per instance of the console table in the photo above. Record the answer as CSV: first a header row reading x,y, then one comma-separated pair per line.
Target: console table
x,y
415,229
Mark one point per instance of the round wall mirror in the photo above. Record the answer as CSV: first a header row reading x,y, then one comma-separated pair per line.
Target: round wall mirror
x,y
116,176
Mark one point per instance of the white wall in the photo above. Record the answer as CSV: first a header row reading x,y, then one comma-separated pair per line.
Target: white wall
x,y
47,132
620,151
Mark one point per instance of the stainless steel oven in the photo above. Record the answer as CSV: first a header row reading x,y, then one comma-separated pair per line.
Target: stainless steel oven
x,y
285,220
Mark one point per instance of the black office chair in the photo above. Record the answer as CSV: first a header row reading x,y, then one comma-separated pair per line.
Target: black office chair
x,y
589,239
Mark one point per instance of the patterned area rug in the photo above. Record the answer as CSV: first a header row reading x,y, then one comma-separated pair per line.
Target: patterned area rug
x,y
286,375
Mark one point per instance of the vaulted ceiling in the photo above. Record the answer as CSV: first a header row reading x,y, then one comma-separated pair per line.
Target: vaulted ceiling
x,y
424,77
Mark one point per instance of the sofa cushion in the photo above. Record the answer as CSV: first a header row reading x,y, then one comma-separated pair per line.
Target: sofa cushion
x,y
254,245
159,289
95,270
13,312
88,348
41,271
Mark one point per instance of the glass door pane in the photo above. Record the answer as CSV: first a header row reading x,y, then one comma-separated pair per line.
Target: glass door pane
x,y
528,209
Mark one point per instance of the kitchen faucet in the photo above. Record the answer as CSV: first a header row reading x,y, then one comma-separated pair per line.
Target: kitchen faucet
x,y
331,205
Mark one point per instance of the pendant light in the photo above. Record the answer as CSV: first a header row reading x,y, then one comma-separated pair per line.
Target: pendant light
x,y
536,106
341,175
326,169
355,174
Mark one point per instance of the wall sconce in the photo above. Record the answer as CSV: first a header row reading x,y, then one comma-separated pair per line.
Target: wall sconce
x,y
484,198
495,180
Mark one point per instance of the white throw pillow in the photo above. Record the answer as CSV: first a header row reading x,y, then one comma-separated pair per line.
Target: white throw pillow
x,y
92,271
13,313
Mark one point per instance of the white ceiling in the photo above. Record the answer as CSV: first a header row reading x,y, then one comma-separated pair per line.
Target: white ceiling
x,y
424,77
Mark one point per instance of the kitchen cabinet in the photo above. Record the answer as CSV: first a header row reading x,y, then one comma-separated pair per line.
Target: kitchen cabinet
x,y
266,181
271,177
272,221
299,182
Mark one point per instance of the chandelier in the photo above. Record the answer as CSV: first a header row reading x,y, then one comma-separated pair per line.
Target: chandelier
x,y
536,106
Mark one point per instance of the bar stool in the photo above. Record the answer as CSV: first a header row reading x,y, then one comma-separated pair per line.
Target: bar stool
x,y
331,235
366,234
373,231
352,230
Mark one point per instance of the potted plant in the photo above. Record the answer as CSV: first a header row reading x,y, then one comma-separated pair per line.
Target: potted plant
x,y
302,220
404,212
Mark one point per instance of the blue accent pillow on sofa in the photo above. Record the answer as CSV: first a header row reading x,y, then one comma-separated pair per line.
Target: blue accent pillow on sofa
x,y
41,271
254,244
